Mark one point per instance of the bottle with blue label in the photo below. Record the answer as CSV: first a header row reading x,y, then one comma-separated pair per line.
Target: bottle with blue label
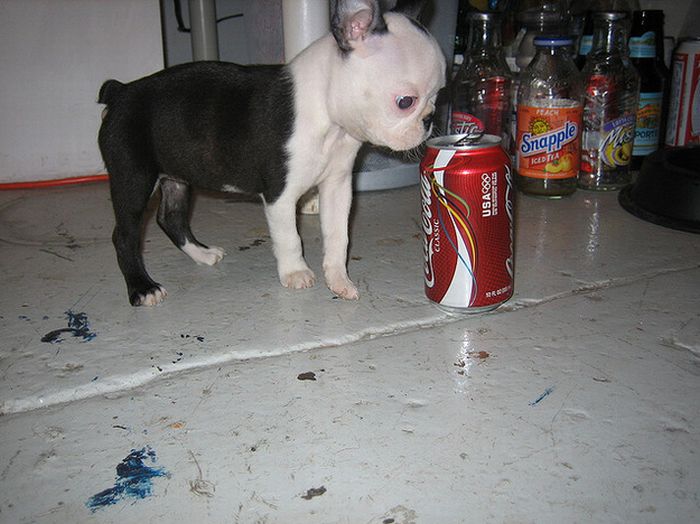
x,y
647,32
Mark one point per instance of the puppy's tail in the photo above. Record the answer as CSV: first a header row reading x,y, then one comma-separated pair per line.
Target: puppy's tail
x,y
110,91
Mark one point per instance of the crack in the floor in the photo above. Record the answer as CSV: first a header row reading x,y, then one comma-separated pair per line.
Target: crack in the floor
x,y
120,384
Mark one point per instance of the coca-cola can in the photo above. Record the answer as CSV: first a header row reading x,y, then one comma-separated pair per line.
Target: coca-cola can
x,y
683,125
467,220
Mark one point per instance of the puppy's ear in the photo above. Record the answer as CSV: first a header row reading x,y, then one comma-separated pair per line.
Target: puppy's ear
x,y
354,20
410,8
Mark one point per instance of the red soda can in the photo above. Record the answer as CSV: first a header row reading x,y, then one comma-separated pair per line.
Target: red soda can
x,y
467,221
683,126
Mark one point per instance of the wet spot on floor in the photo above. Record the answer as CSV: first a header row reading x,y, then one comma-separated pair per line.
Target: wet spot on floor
x,y
78,326
478,356
134,480
314,492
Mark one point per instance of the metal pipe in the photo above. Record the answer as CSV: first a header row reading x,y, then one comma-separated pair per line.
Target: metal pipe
x,y
204,34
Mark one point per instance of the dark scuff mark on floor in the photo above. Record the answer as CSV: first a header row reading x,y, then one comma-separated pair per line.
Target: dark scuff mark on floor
x,y
255,243
49,252
314,492
544,395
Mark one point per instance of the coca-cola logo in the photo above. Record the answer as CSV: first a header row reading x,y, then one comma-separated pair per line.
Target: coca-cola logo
x,y
466,124
427,225
509,212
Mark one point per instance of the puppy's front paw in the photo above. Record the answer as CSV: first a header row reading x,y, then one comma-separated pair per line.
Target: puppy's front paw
x,y
342,286
213,255
299,279
150,297
207,256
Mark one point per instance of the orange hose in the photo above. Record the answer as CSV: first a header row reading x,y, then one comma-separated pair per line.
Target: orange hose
x,y
53,183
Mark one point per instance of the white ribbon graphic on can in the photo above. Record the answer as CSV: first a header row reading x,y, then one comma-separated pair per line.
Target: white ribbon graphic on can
x,y
459,292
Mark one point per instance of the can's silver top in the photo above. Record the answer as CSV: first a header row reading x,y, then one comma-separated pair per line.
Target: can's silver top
x,y
459,143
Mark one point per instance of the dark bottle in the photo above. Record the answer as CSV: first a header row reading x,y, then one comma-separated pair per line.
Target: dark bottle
x,y
585,41
647,32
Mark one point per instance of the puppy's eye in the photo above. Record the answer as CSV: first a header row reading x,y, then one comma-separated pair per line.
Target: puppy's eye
x,y
404,102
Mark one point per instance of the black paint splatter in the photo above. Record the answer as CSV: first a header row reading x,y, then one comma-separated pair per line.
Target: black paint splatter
x,y
314,492
78,326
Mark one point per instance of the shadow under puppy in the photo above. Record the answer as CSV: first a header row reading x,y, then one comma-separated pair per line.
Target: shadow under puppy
x,y
276,131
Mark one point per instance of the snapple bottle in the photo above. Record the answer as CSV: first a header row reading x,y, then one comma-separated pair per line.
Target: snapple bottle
x,y
550,108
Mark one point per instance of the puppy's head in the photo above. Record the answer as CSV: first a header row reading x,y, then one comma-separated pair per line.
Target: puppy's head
x,y
388,74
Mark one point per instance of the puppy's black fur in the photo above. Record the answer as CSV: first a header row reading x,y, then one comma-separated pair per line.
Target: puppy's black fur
x,y
234,121
231,122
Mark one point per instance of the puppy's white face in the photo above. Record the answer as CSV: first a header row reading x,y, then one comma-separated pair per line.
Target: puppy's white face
x,y
384,90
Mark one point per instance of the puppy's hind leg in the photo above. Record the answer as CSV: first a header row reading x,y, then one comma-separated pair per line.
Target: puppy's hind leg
x,y
174,219
131,190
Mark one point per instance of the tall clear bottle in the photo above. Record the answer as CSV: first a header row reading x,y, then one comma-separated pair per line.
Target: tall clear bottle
x,y
647,31
610,105
481,90
550,99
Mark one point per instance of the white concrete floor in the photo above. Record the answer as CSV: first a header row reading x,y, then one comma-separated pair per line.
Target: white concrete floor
x,y
577,401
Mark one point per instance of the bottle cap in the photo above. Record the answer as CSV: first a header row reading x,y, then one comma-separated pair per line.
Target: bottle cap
x,y
553,41
483,16
610,15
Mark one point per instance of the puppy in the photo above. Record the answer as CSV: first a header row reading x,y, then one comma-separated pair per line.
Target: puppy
x,y
275,131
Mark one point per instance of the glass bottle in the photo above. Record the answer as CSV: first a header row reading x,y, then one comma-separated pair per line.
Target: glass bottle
x,y
611,87
550,107
647,31
481,89
538,17
582,16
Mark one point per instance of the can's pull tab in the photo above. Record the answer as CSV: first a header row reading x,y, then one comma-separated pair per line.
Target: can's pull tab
x,y
472,136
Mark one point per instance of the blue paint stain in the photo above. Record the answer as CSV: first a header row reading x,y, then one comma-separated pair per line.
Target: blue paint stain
x,y
544,395
78,326
134,480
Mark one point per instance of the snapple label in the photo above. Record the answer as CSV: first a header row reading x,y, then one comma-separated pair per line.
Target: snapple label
x,y
549,141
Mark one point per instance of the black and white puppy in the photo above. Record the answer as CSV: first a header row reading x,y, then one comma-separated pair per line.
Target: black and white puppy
x,y
276,131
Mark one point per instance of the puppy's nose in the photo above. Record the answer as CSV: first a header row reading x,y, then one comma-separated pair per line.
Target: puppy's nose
x,y
428,121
